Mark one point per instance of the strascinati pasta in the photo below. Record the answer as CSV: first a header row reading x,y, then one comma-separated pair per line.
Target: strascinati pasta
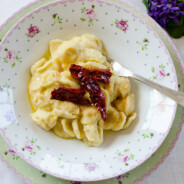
x,y
69,120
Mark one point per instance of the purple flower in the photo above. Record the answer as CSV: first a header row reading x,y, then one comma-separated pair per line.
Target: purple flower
x,y
164,11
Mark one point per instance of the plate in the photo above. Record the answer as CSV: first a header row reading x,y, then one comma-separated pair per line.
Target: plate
x,y
32,175
121,151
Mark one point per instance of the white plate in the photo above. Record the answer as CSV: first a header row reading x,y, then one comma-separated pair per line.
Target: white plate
x,y
127,39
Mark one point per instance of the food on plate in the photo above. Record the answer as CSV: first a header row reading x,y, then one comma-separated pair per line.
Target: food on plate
x,y
75,93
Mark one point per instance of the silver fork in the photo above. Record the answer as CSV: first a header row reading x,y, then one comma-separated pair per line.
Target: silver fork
x,y
121,71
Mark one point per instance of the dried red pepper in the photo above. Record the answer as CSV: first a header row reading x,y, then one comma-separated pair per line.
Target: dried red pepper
x,y
70,95
89,82
97,97
101,75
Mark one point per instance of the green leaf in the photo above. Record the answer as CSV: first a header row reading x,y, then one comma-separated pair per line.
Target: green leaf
x,y
13,65
27,35
82,10
127,175
146,45
154,77
119,153
5,60
161,66
38,147
82,19
176,30
132,156
116,21
126,150
145,2
153,69
91,21
32,141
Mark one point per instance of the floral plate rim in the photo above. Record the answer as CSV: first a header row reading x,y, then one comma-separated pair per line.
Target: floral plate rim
x,y
38,1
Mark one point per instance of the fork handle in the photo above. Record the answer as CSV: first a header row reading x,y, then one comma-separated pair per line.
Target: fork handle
x,y
174,95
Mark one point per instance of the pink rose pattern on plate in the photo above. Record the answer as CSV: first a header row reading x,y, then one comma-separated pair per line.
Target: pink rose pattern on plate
x,y
144,44
120,177
76,182
125,156
3,87
11,57
89,15
148,135
44,175
159,73
12,153
57,18
9,116
32,31
60,163
121,24
90,166
161,106
31,147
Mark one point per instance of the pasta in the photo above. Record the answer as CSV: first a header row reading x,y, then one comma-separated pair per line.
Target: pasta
x,y
69,120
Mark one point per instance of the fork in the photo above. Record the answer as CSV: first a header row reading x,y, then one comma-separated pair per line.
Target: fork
x,y
121,71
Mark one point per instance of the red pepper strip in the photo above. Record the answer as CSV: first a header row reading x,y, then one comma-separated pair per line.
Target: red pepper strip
x,y
70,95
97,97
101,75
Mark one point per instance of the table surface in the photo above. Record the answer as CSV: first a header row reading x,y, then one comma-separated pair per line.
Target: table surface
x,y
170,172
